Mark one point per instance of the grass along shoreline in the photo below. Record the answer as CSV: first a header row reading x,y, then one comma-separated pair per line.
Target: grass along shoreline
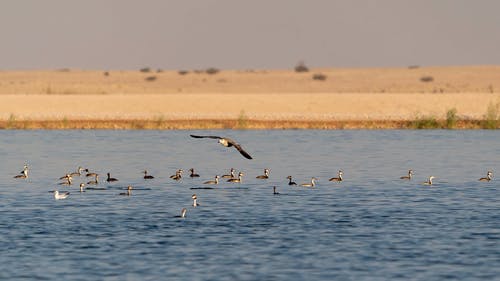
x,y
451,122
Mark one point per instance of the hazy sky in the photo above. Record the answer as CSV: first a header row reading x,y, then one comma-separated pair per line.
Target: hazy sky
x,y
234,34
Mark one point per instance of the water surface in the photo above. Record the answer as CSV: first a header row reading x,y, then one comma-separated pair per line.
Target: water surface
x,y
372,226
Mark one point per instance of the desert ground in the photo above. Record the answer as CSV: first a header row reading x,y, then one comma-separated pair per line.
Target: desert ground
x,y
356,97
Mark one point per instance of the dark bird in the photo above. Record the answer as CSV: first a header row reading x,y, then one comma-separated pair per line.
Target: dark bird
x,y
110,179
193,175
290,182
274,191
146,176
227,143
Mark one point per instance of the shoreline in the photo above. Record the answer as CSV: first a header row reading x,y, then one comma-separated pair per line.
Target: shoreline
x,y
247,124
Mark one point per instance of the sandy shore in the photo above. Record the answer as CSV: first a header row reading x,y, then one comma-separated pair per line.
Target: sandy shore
x,y
347,94
306,106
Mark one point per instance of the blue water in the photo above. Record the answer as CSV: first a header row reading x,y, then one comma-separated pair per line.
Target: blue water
x,y
372,226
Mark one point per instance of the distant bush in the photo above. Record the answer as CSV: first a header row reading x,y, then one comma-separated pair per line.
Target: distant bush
x,y
492,116
426,78
413,66
106,73
212,70
145,69
183,72
301,67
150,78
159,70
319,76
425,122
451,118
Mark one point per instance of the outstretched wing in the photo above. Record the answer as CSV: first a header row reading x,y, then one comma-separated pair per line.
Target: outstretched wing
x,y
200,137
243,152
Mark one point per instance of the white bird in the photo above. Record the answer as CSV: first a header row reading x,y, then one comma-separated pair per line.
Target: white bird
x,y
429,181
183,213
195,202
23,174
58,195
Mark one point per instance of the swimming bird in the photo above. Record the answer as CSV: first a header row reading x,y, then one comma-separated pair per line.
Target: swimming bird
x,y
264,176
67,176
95,181
216,181
146,176
312,184
193,175
429,181
177,176
62,195
89,174
231,174
69,181
239,179
183,213
23,174
129,191
274,191
339,177
227,142
81,187
489,174
78,172
195,203
110,179
408,177
290,182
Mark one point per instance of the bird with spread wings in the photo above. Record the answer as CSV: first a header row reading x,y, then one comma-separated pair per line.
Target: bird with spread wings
x,y
227,142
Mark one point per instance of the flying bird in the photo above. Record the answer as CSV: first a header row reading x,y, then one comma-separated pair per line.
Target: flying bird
x,y
227,143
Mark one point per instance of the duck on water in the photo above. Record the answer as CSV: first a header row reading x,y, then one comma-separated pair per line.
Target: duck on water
x,y
290,182
265,175
23,174
312,184
338,178
239,179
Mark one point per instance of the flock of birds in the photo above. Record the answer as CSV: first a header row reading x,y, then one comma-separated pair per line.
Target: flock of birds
x,y
67,179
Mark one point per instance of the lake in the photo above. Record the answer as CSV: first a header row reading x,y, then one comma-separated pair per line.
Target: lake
x,y
371,226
